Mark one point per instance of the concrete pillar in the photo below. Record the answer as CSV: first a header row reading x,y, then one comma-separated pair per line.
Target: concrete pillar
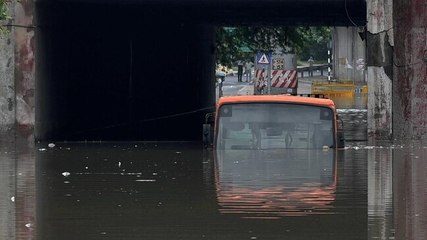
x,y
349,55
7,83
17,81
410,69
380,67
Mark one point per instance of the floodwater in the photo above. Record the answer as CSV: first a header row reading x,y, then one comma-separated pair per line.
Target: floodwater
x,y
135,190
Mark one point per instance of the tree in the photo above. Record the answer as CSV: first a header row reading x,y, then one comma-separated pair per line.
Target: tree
x,y
3,14
228,46
300,40
316,40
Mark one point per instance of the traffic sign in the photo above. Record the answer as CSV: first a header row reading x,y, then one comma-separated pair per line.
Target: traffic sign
x,y
278,63
263,58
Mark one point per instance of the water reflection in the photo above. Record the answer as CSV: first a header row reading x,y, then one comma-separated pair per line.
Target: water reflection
x,y
179,191
380,198
275,183
173,190
18,192
398,192
7,188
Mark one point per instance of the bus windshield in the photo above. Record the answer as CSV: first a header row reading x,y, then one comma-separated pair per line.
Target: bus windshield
x,y
274,126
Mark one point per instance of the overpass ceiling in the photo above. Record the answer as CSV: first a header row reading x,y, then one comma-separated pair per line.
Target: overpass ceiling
x,y
248,12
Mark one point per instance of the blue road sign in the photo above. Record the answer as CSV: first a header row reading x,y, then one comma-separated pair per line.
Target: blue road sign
x,y
263,58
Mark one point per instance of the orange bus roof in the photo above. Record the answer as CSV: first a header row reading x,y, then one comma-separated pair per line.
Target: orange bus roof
x,y
276,99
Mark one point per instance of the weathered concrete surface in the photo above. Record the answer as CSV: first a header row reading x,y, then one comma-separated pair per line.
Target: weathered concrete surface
x,y
17,81
349,55
380,64
379,103
24,67
410,69
7,85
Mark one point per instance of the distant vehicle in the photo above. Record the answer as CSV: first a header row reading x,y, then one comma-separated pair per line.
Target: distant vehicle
x,y
220,75
223,71
273,122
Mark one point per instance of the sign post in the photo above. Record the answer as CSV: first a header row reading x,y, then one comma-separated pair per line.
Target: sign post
x,y
263,63
275,74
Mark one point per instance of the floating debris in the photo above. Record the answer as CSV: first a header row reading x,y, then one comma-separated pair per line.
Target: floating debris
x,y
51,145
145,180
12,199
42,149
66,174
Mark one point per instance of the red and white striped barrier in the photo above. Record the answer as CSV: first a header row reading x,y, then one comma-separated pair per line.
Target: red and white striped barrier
x,y
260,78
284,78
279,78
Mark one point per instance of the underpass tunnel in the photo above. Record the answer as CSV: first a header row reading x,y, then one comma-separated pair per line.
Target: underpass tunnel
x,y
121,73
132,71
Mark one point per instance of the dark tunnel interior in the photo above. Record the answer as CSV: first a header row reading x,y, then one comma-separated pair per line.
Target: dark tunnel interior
x,y
144,70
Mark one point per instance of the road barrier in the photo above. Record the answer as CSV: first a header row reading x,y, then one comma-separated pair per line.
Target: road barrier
x,y
319,67
337,88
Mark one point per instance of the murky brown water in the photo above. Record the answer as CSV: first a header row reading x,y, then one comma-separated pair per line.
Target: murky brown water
x,y
180,191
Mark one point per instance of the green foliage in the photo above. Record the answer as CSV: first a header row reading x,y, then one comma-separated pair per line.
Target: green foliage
x,y
3,16
3,10
304,41
316,40
228,46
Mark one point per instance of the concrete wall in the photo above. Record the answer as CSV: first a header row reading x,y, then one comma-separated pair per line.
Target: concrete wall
x,y
380,68
397,69
349,55
17,81
24,67
410,69
7,82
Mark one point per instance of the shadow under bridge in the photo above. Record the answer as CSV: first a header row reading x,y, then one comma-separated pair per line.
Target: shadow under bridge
x,y
144,69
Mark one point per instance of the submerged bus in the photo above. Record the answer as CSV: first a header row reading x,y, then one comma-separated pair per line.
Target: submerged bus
x,y
273,122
